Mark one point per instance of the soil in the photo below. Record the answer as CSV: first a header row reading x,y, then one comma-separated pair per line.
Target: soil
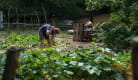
x,y
2,51
75,43
72,44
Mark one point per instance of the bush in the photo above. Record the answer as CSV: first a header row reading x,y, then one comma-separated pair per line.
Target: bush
x,y
52,64
116,36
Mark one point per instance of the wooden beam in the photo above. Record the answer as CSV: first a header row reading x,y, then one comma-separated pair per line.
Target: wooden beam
x,y
135,58
11,63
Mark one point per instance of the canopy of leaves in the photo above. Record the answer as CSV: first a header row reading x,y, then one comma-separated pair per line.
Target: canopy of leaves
x,y
56,7
113,4
121,26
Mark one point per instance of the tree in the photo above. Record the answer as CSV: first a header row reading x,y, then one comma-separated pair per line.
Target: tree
x,y
5,4
61,8
122,25
123,7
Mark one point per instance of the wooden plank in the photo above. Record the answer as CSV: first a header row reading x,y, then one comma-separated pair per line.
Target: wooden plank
x,y
11,63
135,58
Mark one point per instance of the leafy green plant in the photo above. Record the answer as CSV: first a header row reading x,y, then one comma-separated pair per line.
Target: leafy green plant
x,y
116,36
2,63
24,41
50,63
122,25
96,63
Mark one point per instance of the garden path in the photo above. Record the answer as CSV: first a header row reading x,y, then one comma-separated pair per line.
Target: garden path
x,y
75,43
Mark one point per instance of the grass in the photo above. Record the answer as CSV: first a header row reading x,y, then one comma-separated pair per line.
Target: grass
x,y
3,34
29,30
64,34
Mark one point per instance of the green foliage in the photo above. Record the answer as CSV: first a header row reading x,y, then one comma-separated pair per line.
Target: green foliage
x,y
2,63
50,63
57,8
23,41
97,63
122,26
116,36
123,11
112,4
37,64
9,4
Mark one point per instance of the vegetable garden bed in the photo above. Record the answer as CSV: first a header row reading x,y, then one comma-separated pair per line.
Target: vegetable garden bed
x,y
67,61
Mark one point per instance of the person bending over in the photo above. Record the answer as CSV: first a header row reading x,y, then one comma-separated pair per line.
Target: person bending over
x,y
48,33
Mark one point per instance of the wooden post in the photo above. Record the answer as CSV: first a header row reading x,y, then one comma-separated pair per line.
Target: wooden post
x,y
44,14
17,20
11,63
135,58
53,20
80,31
75,32
8,19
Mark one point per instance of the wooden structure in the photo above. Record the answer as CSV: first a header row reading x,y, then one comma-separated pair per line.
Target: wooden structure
x,y
135,58
81,33
1,20
11,63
